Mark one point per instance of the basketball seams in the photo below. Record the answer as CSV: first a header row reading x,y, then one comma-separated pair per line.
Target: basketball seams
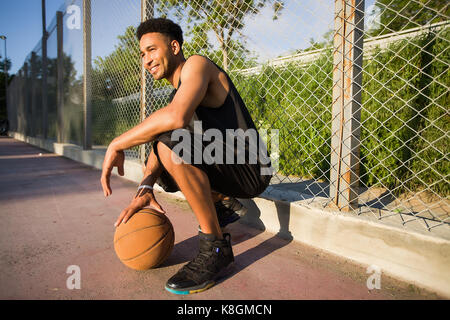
x,y
151,247
147,211
168,252
124,235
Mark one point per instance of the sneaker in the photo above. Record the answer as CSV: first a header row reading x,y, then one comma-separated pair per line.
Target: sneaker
x,y
235,205
213,261
228,211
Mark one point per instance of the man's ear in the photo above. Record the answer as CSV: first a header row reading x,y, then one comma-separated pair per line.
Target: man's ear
x,y
175,46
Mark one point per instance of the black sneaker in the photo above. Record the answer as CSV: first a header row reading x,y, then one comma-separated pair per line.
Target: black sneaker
x,y
212,262
235,205
228,211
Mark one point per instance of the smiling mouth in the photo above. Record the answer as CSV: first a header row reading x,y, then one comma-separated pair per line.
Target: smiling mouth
x,y
153,69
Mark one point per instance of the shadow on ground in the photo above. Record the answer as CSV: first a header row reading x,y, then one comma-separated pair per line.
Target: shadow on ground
x,y
250,227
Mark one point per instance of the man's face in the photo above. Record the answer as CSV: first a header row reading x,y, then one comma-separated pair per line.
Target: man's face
x,y
157,54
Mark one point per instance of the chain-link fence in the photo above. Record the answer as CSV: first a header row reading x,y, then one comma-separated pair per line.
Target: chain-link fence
x,y
358,91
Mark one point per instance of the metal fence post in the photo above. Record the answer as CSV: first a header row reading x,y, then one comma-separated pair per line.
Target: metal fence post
x,y
87,84
26,98
33,89
60,76
21,121
346,108
44,73
147,12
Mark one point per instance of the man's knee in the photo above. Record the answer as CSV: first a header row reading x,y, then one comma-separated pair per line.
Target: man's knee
x,y
167,157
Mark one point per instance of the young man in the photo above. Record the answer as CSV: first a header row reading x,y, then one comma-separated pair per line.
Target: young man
x,y
205,93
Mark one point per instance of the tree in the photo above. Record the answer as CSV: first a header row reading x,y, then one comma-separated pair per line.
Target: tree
x,y
405,14
223,17
2,64
118,74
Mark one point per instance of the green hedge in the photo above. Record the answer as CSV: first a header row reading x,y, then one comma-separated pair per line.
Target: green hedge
x,y
282,99
405,115
111,119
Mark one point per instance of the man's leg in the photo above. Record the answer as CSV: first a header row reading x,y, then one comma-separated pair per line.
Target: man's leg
x,y
215,254
153,166
222,203
195,186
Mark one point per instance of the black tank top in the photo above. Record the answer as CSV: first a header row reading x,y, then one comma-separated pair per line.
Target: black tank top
x,y
232,114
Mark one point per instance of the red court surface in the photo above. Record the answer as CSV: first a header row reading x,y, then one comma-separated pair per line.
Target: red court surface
x,y
54,215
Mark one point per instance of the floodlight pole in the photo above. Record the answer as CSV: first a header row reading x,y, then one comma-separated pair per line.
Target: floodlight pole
x,y
6,73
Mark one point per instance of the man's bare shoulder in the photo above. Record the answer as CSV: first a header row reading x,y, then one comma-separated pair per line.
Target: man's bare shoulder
x,y
198,59
197,63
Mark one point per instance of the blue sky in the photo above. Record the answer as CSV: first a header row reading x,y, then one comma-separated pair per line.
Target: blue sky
x,y
20,21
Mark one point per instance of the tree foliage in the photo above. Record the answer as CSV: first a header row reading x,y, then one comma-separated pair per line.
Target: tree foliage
x,y
118,74
405,14
223,17
2,64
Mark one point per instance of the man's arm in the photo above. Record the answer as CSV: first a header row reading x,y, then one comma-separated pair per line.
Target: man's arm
x,y
153,170
144,196
195,77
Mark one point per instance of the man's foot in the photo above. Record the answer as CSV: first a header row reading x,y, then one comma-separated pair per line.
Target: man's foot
x,y
235,205
228,211
212,262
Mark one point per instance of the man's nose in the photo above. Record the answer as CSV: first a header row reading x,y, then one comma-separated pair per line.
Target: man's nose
x,y
147,59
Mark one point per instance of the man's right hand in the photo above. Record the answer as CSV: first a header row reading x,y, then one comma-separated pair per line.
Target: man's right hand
x,y
143,198
113,158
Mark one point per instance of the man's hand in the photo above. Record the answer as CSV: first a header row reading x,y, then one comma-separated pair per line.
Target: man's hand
x,y
113,158
143,198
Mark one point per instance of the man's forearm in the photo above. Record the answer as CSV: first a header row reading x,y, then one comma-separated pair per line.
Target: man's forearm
x,y
153,170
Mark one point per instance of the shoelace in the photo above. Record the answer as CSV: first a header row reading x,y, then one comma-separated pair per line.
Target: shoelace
x,y
203,257
199,262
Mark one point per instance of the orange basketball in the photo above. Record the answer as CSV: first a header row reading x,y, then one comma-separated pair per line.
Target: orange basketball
x,y
145,240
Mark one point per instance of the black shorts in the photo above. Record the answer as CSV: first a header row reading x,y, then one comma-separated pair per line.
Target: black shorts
x,y
234,180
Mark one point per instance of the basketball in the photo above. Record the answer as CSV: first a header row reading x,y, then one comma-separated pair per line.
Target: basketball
x,y
145,240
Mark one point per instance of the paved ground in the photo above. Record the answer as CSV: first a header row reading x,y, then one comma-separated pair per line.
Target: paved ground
x,y
54,215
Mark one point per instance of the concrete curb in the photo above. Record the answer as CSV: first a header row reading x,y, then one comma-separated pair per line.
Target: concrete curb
x,y
404,254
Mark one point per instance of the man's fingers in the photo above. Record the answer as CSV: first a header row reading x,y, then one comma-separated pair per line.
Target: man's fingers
x,y
105,185
106,174
120,218
155,204
120,169
119,161
111,160
125,215
128,215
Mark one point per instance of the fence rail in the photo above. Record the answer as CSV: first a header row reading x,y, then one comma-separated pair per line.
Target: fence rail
x,y
304,58
363,116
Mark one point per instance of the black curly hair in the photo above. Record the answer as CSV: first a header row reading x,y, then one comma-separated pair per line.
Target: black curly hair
x,y
161,25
